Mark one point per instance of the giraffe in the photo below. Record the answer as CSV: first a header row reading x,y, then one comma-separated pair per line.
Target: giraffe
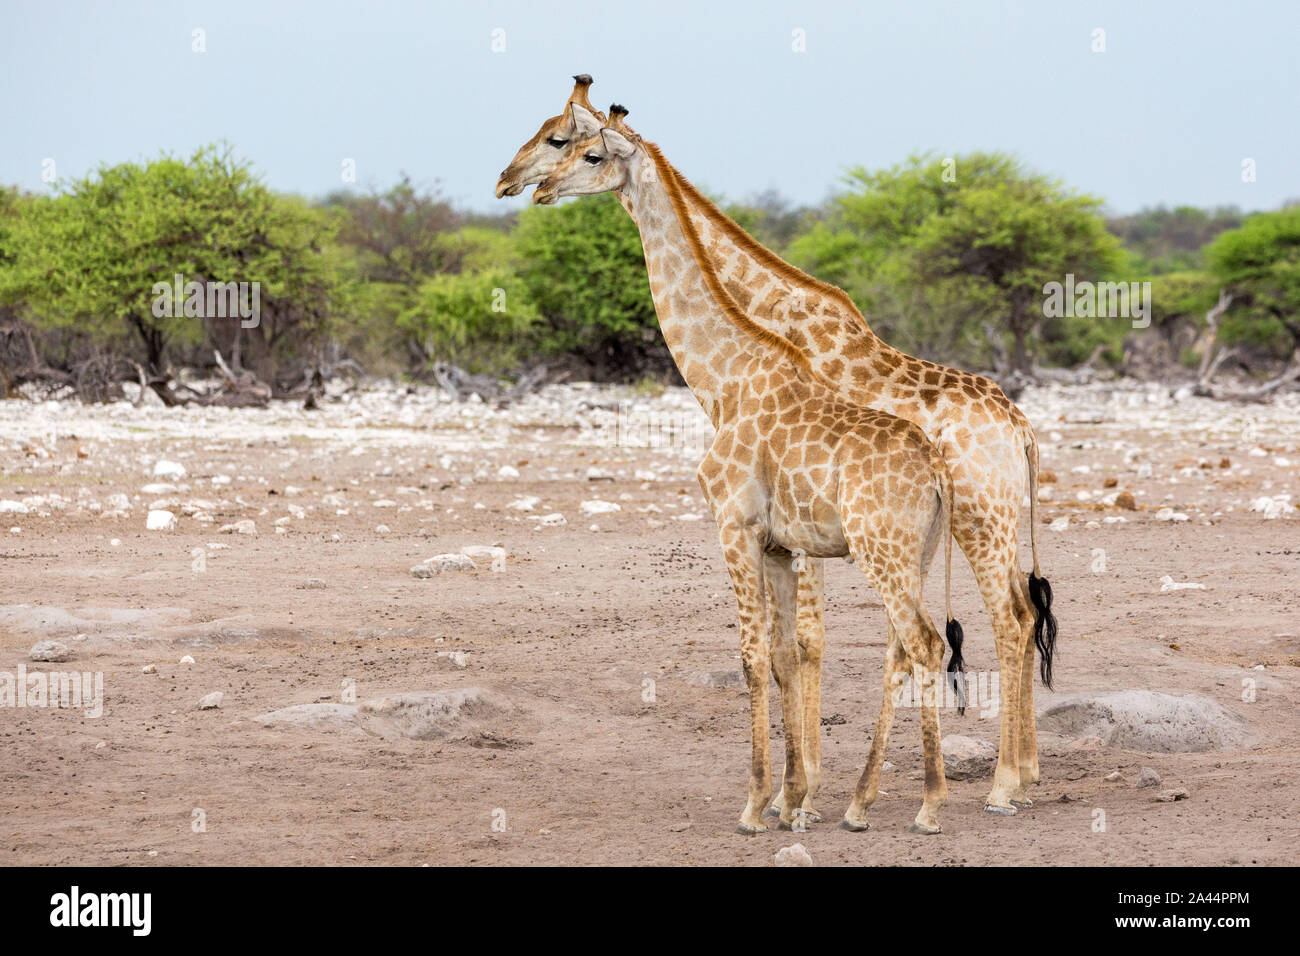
x,y
988,444
793,468
553,143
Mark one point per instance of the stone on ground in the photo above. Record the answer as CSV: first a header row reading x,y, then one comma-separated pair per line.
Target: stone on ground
x,y
1148,721
966,758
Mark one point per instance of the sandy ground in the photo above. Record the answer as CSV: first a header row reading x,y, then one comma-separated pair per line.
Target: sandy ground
x,y
588,766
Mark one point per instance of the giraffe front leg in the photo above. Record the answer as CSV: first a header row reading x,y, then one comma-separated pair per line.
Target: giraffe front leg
x,y
811,636
780,581
744,557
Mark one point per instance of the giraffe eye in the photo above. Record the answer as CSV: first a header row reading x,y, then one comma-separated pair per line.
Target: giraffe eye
x,y
557,142
592,159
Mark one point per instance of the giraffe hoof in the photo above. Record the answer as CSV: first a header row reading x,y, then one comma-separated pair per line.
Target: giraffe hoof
x,y
854,827
924,828
751,829
772,811
999,811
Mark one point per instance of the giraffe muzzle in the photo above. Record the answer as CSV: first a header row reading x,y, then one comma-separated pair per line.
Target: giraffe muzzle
x,y
544,194
506,186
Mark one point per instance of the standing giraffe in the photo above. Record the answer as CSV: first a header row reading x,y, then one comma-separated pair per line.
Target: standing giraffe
x,y
988,444
793,468
554,142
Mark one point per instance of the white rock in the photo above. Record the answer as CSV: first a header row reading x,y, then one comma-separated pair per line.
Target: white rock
x,y
525,503
598,507
507,471
1060,524
1274,507
160,521
794,855
159,488
48,651
450,562
168,469
212,701
119,502
1167,583
246,526
8,505
187,659
553,520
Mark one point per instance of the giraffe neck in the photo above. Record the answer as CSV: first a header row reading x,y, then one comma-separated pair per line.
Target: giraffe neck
x,y
713,345
818,319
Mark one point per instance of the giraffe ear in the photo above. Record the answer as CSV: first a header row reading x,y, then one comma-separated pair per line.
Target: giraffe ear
x,y
616,143
584,120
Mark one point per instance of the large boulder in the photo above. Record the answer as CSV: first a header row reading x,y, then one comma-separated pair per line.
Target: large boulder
x,y
1148,721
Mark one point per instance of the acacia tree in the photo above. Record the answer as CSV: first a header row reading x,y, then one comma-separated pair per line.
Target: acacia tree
x,y
968,242
89,257
1260,266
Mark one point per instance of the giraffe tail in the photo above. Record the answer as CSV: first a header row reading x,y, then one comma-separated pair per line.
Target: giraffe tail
x,y
956,666
1040,591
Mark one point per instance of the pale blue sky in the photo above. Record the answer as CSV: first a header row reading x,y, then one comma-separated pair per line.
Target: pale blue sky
x,y
1183,93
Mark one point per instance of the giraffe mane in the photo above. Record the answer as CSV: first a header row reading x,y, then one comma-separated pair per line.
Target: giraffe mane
x,y
673,181
764,255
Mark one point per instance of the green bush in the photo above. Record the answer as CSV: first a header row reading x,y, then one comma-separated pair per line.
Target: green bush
x,y
481,321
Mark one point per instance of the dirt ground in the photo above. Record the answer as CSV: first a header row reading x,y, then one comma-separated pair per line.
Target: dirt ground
x,y
584,769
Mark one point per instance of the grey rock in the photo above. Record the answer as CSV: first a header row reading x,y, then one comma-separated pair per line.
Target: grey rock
x,y
1148,778
1148,721
48,651
966,758
212,701
450,562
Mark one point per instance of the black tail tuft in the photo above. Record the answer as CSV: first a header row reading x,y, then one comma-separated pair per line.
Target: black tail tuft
x,y
1040,593
956,666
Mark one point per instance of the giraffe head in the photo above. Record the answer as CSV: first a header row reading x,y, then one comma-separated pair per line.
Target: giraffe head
x,y
603,158
551,144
